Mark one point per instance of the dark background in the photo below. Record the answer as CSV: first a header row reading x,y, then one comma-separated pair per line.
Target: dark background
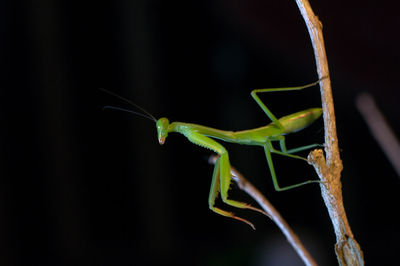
x,y
82,186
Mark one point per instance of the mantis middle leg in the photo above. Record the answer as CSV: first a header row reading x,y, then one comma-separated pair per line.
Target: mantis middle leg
x,y
268,148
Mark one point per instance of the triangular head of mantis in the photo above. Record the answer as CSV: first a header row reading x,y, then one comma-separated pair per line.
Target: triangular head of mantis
x,y
162,129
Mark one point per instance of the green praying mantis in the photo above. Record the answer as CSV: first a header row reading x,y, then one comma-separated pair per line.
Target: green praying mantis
x,y
262,136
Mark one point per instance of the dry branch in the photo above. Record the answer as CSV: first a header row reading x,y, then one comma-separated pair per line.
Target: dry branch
x,y
348,251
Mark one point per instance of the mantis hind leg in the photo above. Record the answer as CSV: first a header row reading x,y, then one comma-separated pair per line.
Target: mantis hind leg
x,y
268,148
265,108
282,144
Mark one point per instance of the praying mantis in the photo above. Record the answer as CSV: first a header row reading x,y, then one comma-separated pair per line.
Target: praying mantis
x,y
263,136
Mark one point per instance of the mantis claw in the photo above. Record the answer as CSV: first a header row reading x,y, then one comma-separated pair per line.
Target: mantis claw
x,y
232,215
245,221
258,210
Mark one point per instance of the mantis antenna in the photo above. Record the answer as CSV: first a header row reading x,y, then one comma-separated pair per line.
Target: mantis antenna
x,y
145,113
128,111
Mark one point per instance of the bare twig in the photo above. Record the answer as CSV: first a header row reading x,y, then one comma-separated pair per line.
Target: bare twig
x,y
348,251
246,186
380,129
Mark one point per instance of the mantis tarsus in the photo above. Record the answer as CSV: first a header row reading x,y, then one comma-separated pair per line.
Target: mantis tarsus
x,y
262,136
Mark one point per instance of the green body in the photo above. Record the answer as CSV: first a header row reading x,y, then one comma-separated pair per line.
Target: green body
x,y
257,136
262,136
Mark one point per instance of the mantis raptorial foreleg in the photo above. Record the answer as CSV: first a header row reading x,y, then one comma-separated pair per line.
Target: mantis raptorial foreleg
x,y
215,188
221,179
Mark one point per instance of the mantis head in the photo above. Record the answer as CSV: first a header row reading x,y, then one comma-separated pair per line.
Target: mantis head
x,y
162,124
162,129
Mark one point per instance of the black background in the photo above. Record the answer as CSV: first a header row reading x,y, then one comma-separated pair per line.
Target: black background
x,y
82,186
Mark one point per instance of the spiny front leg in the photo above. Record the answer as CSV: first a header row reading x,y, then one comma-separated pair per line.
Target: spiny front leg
x,y
221,177
225,179
215,188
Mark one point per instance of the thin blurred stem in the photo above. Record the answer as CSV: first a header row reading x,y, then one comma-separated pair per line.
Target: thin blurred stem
x,y
247,187
380,129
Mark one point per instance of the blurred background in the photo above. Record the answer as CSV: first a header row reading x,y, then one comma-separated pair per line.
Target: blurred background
x,y
82,186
